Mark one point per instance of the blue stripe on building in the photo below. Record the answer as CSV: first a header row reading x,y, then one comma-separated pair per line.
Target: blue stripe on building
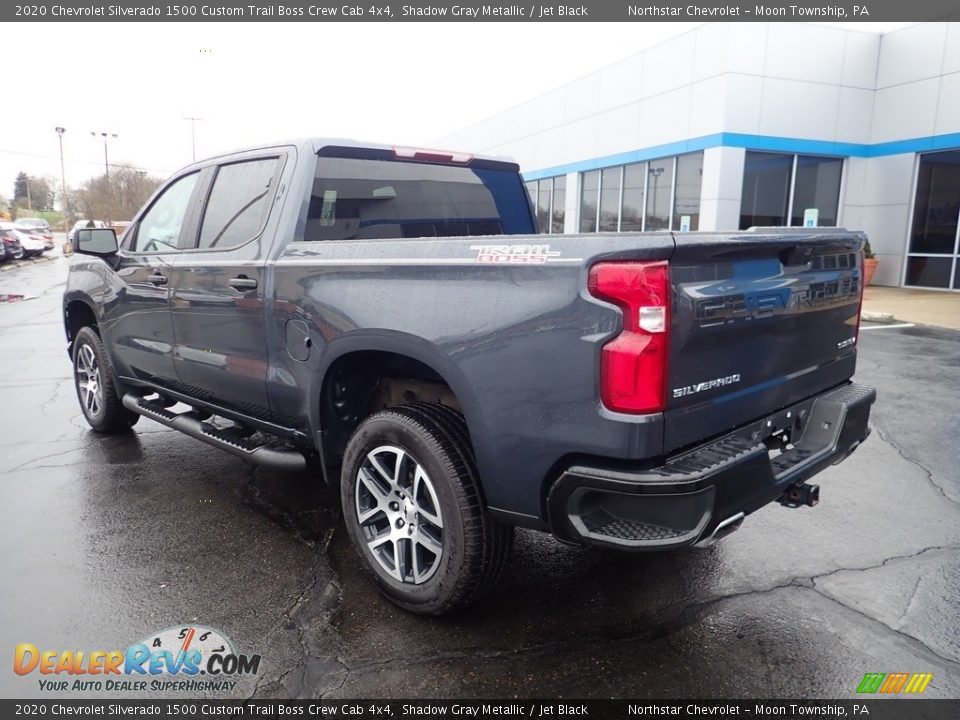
x,y
766,143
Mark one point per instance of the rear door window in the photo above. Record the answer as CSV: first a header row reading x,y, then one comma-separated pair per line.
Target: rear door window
x,y
239,203
366,198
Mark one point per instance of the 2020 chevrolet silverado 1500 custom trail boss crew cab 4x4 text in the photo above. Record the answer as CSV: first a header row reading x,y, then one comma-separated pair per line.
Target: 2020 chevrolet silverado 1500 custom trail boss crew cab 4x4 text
x,y
392,315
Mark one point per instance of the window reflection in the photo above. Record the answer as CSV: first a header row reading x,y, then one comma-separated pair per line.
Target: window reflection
x,y
589,186
643,195
766,189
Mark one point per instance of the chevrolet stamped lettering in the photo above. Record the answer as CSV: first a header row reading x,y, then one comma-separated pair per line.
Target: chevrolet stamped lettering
x,y
390,321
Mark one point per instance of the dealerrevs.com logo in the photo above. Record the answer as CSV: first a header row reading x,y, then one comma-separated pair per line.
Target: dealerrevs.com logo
x,y
184,658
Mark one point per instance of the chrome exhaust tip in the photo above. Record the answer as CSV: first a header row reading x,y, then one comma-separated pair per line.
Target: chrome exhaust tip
x,y
730,525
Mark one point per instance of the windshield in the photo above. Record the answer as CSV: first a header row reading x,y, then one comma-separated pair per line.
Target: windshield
x,y
365,198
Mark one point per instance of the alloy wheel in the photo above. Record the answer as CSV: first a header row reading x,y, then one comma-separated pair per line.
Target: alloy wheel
x,y
399,514
88,380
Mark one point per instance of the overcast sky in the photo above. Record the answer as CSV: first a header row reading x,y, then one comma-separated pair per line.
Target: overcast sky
x,y
399,83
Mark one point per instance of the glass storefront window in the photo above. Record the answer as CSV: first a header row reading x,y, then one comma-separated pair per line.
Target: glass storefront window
x,y
610,199
933,232
589,187
929,271
543,205
532,192
937,205
634,184
548,198
559,204
642,196
770,183
766,189
686,204
817,187
659,190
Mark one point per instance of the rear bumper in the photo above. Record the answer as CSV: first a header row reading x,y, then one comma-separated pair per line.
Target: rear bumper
x,y
706,492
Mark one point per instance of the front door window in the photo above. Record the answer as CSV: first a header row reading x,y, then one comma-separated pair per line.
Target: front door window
x,y
159,228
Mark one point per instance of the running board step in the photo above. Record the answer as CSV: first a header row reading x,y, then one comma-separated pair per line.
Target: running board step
x,y
230,439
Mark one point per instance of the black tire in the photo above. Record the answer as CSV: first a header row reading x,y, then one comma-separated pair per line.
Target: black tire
x,y
474,546
104,413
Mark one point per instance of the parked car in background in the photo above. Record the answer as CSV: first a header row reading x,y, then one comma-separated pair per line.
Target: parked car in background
x,y
120,227
72,235
37,226
32,243
10,248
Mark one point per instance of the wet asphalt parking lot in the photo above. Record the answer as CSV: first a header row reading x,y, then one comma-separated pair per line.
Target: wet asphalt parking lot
x,y
106,540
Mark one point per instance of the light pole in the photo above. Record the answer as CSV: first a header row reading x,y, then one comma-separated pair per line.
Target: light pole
x,y
656,172
193,135
106,137
63,178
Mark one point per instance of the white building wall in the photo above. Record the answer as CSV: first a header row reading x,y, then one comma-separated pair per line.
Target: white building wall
x,y
571,219
878,200
764,86
721,188
752,78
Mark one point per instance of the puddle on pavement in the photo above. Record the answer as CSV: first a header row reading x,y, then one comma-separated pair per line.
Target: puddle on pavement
x,y
12,298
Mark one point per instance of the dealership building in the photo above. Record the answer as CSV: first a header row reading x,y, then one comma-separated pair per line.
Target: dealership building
x,y
736,125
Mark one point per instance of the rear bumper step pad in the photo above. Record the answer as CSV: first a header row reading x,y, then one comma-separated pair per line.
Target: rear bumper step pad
x,y
704,493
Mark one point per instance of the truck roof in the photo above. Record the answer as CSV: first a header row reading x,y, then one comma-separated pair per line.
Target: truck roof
x,y
313,145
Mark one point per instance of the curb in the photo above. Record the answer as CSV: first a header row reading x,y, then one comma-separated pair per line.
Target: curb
x,y
877,317
25,262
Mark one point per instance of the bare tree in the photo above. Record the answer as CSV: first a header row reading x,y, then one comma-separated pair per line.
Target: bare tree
x,y
116,198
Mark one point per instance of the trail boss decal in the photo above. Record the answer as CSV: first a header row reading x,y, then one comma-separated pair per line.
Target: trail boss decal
x,y
708,385
515,254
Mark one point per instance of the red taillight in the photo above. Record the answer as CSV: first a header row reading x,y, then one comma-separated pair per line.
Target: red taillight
x,y
633,366
863,285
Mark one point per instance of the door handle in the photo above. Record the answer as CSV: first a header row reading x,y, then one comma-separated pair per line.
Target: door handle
x,y
157,279
242,282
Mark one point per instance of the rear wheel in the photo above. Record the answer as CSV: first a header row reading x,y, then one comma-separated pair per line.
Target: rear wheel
x,y
412,507
96,390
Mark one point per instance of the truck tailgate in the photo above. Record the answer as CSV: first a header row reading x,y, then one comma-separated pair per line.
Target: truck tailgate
x,y
758,322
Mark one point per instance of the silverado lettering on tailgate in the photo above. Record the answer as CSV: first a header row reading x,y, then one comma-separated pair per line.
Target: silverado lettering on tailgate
x,y
707,385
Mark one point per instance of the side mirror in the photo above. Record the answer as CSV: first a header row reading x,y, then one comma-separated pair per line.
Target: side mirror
x,y
101,242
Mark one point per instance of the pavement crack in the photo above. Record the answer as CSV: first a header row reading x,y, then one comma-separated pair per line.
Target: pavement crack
x,y
939,488
883,563
905,636
909,604
28,465
53,396
312,608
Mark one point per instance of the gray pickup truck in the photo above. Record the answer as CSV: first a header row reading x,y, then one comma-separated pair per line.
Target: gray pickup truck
x,y
389,319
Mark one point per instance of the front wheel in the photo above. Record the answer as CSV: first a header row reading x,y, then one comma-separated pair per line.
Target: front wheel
x,y
96,391
412,507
